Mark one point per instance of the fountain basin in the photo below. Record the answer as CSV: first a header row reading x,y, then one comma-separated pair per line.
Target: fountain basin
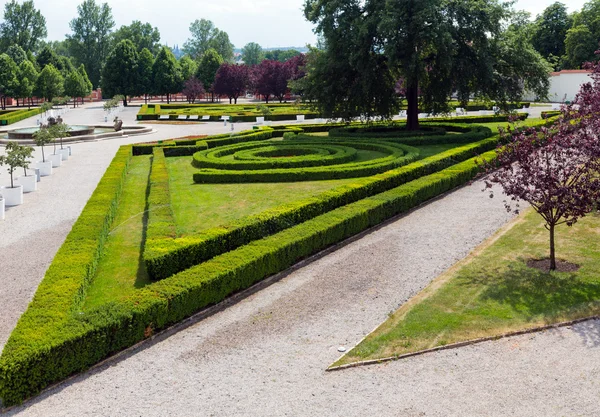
x,y
27,133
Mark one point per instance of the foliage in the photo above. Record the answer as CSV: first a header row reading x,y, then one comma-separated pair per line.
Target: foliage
x,y
232,81
144,78
550,31
43,137
47,56
166,74
120,73
252,54
28,76
16,157
209,64
60,131
580,45
23,26
90,41
143,35
206,36
9,83
86,80
281,55
193,89
50,83
271,78
75,86
17,53
188,66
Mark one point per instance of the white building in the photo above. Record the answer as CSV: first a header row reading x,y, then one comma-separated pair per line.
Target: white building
x,y
565,85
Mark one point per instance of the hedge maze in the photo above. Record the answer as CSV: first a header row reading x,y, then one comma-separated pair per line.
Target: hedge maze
x,y
221,214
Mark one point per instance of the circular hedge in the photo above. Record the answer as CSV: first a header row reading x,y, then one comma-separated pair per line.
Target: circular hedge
x,y
303,160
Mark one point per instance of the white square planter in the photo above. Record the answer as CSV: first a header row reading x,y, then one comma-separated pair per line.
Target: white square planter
x,y
29,183
64,153
45,168
12,196
56,160
2,208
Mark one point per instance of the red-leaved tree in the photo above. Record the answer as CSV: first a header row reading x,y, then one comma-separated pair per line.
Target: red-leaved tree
x,y
193,89
271,78
232,81
556,169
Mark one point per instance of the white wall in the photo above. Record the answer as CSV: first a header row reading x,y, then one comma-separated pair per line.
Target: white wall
x,y
566,84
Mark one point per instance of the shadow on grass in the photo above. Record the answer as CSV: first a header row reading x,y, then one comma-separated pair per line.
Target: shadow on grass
x,y
141,279
534,293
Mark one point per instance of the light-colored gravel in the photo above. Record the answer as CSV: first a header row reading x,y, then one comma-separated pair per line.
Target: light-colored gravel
x,y
266,355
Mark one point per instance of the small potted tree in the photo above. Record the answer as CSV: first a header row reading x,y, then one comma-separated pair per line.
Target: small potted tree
x,y
61,131
43,137
29,182
14,158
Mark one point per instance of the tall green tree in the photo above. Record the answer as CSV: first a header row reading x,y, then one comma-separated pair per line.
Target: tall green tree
x,y
208,66
252,54
145,82
166,74
206,36
47,56
580,46
143,35
281,55
188,66
120,73
9,83
23,25
28,76
17,53
86,81
75,86
550,31
50,83
90,41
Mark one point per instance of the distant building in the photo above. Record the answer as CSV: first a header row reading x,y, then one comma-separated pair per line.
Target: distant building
x,y
565,85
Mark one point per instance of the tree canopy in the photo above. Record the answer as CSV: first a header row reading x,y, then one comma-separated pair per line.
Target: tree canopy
x,y
208,66
166,74
206,36
23,25
9,82
120,73
50,83
90,41
550,31
143,35
252,54
232,81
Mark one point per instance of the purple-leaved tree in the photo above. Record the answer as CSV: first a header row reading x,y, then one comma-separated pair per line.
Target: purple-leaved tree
x,y
193,89
555,169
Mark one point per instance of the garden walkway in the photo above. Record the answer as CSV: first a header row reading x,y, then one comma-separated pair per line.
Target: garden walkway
x,y
266,355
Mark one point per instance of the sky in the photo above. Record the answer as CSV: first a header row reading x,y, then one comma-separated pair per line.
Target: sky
x,y
271,23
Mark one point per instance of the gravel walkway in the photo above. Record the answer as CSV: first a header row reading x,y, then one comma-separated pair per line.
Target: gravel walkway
x,y
266,355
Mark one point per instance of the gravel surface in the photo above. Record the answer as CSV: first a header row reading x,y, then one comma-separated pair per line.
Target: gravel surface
x,y
266,355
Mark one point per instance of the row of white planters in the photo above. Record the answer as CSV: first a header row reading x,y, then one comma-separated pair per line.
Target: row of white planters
x,y
28,183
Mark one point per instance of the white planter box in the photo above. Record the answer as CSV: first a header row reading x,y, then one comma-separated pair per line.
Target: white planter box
x,y
1,208
29,183
45,168
12,196
56,160
300,117
64,153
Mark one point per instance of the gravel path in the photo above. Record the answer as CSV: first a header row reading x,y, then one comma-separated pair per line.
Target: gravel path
x,y
266,355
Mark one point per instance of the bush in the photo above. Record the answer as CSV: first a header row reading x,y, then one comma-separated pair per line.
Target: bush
x,y
17,115
167,257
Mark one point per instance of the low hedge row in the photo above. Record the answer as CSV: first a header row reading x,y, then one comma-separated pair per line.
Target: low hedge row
x,y
17,115
166,257
88,337
61,293
397,155
384,131
160,216
324,155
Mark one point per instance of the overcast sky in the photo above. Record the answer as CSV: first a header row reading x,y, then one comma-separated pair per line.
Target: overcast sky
x,y
271,23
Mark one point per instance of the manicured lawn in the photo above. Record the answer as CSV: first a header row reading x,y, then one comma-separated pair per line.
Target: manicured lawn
x,y
493,292
121,268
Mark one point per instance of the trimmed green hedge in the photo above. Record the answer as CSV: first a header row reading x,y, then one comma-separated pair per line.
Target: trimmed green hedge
x,y
60,295
17,115
397,155
165,257
35,356
160,215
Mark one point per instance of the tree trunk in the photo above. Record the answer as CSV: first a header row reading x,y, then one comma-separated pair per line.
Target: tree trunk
x,y
552,249
168,98
412,96
235,100
230,99
125,101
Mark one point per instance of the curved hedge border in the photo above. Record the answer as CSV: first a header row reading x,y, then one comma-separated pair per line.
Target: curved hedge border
x,y
166,257
36,356
18,115
394,131
398,155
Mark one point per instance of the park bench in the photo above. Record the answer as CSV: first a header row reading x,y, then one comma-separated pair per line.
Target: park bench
x,y
182,117
460,111
206,118
260,120
163,117
300,118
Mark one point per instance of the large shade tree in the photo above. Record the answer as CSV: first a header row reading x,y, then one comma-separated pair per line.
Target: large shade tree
x,y
9,83
206,36
429,43
90,41
143,35
207,69
166,74
550,31
28,76
252,54
232,81
144,79
23,25
120,73
50,83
